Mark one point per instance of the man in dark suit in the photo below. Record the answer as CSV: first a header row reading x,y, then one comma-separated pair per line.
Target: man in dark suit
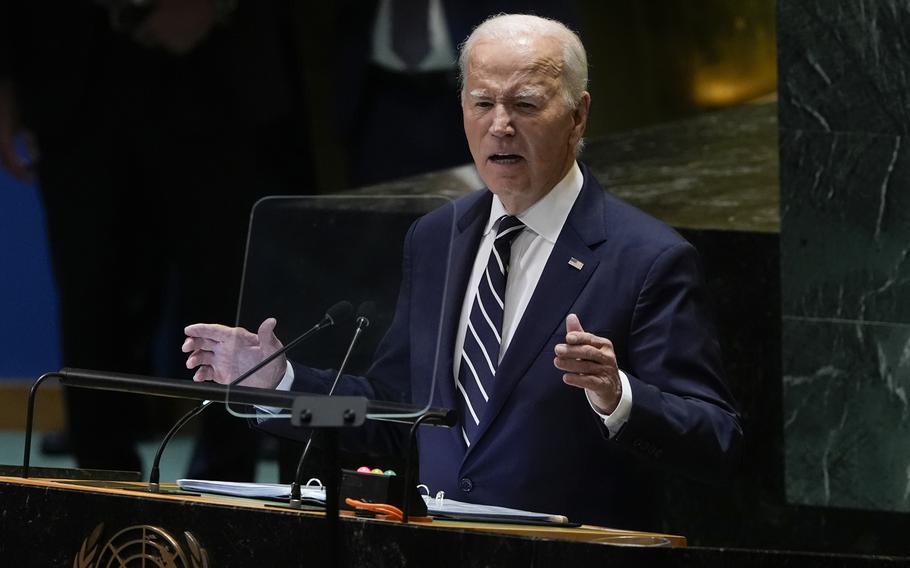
x,y
575,340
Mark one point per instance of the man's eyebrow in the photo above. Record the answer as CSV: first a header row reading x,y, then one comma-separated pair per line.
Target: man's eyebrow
x,y
528,92
479,93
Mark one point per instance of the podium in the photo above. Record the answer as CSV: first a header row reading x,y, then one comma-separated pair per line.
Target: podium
x,y
65,523
71,523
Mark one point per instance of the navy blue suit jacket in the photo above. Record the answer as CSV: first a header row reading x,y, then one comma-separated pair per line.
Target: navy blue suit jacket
x,y
540,445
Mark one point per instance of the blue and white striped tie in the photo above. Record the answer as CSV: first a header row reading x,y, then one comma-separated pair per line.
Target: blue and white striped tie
x,y
480,354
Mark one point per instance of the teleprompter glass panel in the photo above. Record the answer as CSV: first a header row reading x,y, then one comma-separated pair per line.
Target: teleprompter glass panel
x,y
318,258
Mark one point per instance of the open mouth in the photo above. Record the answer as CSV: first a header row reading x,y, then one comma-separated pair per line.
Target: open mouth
x,y
505,158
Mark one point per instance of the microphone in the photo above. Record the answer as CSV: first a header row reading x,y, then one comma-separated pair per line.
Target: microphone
x,y
336,314
364,313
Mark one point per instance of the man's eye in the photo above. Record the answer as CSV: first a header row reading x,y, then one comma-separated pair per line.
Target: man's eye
x,y
525,105
484,104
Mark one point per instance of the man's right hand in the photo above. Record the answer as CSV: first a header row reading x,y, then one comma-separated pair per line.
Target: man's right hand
x,y
221,354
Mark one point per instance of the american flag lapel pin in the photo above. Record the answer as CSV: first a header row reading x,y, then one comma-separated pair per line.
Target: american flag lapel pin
x,y
576,264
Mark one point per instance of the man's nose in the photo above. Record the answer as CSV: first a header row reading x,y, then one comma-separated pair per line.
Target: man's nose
x,y
502,122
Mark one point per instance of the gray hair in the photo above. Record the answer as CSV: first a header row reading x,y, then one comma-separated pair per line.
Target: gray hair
x,y
514,26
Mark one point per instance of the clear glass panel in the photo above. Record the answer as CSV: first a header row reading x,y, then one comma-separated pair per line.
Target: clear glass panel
x,y
306,255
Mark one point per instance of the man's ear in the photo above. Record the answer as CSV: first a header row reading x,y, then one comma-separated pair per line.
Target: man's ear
x,y
580,117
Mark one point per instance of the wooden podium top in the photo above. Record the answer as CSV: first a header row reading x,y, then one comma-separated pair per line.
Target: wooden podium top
x,y
64,523
584,533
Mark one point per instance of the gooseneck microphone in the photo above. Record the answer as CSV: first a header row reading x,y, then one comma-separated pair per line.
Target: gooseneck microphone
x,y
364,313
334,315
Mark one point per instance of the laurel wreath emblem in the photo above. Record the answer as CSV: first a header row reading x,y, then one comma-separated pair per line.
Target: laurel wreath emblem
x,y
140,545
87,551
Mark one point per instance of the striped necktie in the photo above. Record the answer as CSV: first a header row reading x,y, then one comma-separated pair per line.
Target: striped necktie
x,y
483,336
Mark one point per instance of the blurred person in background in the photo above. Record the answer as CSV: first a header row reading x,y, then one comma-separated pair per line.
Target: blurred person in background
x,y
397,60
139,116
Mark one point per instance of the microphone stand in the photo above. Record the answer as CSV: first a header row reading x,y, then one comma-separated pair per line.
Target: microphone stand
x,y
154,474
338,312
432,416
29,416
362,323
60,473
333,479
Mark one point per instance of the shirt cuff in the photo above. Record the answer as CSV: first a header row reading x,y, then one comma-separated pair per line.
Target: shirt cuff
x,y
287,380
284,385
618,418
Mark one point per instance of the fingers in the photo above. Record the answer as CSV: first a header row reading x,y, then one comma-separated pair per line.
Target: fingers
x,y
218,332
585,367
200,357
191,344
573,324
587,358
217,351
204,373
589,362
584,353
205,340
588,382
585,338
576,335
266,332
599,354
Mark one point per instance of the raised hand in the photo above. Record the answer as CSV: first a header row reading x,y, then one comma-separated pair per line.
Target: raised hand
x,y
220,353
589,363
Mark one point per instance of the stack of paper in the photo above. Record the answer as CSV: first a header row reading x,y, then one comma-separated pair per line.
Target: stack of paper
x,y
441,508
253,490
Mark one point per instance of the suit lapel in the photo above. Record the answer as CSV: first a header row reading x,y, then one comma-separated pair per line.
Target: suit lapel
x,y
559,285
470,221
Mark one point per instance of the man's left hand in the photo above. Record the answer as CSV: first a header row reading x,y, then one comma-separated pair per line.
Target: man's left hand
x,y
589,363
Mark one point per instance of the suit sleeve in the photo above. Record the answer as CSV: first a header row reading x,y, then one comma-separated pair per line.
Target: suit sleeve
x,y
682,415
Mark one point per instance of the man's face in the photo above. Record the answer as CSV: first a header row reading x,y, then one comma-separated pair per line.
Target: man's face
x,y
521,132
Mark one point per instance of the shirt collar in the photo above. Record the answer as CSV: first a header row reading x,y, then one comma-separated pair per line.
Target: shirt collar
x,y
549,214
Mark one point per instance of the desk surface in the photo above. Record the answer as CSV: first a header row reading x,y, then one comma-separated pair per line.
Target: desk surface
x,y
585,533
58,523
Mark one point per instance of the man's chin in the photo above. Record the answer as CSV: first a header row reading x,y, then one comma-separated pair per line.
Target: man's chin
x,y
503,184
504,189
514,197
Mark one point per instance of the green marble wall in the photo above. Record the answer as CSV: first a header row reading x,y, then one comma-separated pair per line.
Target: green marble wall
x,y
845,239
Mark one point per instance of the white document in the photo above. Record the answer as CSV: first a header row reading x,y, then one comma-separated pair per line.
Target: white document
x,y
457,509
253,490
443,508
